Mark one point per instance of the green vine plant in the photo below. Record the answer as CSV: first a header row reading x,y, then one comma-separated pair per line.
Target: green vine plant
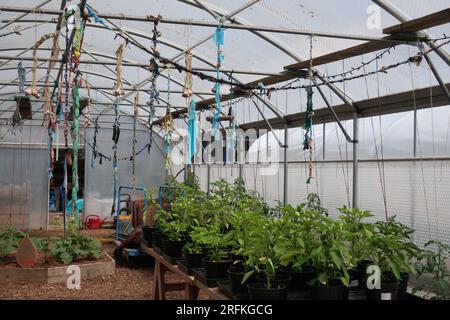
x,y
260,254
210,238
9,240
436,264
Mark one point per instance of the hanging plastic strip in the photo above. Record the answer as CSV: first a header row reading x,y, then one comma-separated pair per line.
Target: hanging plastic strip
x,y
219,39
116,135
192,132
76,113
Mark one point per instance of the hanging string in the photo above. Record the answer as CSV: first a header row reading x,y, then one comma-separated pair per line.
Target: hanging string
x,y
94,147
187,91
76,113
168,123
51,132
89,103
308,141
154,93
118,86
116,135
33,91
21,71
133,157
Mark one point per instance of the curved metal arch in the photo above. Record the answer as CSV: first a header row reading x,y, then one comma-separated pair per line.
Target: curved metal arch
x,y
180,48
279,45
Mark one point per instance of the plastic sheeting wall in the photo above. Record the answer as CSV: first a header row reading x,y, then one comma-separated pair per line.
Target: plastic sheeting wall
x,y
99,180
23,187
24,174
24,177
416,190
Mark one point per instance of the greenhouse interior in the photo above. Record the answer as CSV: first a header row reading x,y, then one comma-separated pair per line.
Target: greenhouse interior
x,y
225,150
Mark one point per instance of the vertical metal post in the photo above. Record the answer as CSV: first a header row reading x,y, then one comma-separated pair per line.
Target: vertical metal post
x,y
208,175
323,141
355,160
240,171
285,168
415,134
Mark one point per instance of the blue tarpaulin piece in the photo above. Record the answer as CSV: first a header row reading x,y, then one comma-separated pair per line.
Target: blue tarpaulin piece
x,y
80,204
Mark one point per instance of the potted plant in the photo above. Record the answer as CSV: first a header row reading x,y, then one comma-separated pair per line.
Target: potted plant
x,y
193,254
436,264
217,260
263,260
357,233
239,239
389,253
331,259
151,209
293,245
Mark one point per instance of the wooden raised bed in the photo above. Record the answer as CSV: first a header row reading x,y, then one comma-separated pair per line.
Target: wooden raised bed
x,y
51,275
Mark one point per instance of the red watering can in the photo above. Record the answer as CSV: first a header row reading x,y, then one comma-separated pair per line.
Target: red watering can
x,y
93,222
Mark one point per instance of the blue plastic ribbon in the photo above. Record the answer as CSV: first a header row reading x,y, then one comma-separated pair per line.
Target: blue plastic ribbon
x,y
192,132
219,37
97,19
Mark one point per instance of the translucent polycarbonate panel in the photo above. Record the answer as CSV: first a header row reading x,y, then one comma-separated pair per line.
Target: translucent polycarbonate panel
x,y
99,178
247,50
415,191
24,186
433,132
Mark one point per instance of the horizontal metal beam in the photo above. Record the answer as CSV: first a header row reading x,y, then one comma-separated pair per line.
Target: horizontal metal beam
x,y
396,103
199,23
425,22
42,84
132,64
94,103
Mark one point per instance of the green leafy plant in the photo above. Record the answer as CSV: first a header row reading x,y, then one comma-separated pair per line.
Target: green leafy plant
x,y
210,237
435,263
75,247
391,249
357,232
313,203
330,255
260,253
44,245
9,240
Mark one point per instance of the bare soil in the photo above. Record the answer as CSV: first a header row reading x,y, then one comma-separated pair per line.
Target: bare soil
x,y
127,284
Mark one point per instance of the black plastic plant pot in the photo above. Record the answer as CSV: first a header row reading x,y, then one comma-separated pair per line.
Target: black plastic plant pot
x,y
147,232
334,290
389,290
216,269
172,248
194,260
236,277
300,279
156,238
236,267
258,291
403,285
284,279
